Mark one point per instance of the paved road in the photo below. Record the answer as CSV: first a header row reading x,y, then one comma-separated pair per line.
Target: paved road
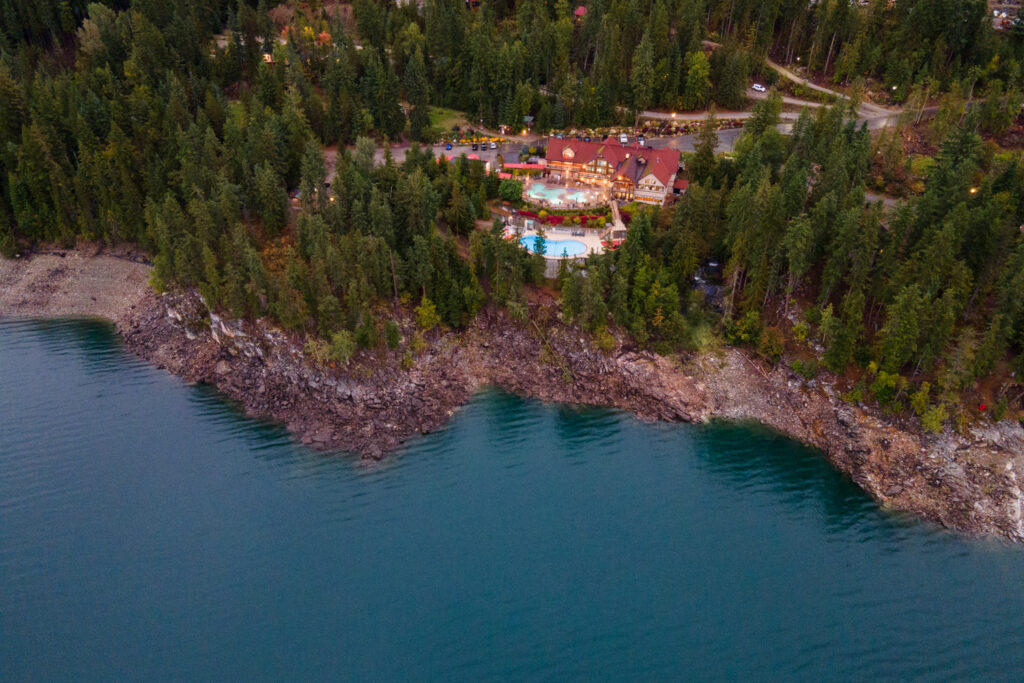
x,y
510,152
867,110
684,143
688,143
875,116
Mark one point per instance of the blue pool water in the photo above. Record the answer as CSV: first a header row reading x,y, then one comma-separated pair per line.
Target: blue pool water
x,y
555,195
554,248
149,531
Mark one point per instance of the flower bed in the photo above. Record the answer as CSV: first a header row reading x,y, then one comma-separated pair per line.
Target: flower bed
x,y
652,128
575,219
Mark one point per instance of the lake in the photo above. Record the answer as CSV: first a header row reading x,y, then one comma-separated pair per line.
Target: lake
x,y
150,531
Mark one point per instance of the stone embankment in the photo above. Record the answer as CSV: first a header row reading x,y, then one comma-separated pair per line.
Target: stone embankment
x,y
969,483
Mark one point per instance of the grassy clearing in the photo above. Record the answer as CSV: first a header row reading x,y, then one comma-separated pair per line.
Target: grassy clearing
x,y
446,118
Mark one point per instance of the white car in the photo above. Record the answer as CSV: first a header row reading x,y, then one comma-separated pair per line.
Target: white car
x,y
623,139
759,88
494,145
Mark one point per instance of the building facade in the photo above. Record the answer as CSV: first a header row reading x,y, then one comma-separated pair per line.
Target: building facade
x,y
630,172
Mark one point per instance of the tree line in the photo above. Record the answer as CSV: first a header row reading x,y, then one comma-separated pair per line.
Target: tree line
x,y
150,130
144,141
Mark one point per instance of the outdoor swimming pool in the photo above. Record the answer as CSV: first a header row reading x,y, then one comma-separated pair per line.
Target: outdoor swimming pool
x,y
554,248
556,195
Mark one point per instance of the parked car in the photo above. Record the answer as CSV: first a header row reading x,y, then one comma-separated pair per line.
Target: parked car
x,y
586,138
494,145
448,147
475,147
642,140
759,88
623,139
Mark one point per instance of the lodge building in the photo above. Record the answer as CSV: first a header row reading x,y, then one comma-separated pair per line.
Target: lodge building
x,y
632,172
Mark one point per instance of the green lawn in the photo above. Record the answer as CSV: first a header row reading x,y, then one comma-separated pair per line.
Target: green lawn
x,y
446,118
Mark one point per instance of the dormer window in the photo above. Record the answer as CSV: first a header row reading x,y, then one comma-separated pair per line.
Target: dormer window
x,y
567,153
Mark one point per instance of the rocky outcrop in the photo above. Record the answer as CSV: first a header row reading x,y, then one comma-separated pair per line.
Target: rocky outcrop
x,y
373,405
964,483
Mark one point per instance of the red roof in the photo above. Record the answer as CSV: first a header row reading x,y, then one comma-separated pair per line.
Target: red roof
x,y
681,184
628,161
505,176
526,167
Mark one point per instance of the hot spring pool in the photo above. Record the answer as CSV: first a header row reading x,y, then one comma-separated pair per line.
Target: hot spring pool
x,y
554,248
556,195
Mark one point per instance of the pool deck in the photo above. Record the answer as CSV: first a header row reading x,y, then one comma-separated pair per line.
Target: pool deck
x,y
590,238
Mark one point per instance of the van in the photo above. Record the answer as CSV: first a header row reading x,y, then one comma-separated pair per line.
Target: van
x,y
623,139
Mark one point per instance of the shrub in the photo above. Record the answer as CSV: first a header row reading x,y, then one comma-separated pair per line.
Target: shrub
x,y
517,309
604,340
807,370
855,395
934,417
1000,408
343,346
426,315
800,331
886,387
318,350
366,335
418,343
919,399
8,249
921,165
771,344
392,335
746,331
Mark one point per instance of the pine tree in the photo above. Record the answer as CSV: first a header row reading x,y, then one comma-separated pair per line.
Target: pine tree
x,y
641,76
698,81
702,164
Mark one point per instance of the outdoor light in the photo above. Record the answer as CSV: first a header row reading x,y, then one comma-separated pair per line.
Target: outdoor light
x,y
894,88
974,190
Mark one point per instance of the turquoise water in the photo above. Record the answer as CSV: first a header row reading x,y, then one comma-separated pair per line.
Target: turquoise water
x,y
554,248
149,531
555,195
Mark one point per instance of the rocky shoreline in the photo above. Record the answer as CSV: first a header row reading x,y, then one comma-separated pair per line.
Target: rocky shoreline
x,y
967,483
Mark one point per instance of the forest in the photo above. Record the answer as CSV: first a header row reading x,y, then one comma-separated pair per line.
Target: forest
x,y
182,127
924,300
